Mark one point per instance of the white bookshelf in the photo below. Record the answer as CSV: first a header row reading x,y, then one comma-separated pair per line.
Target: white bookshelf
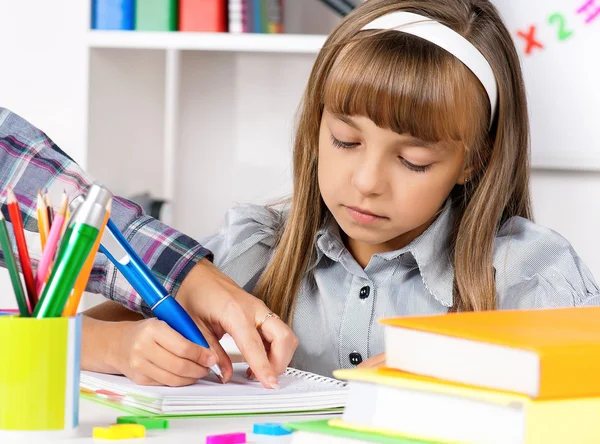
x,y
190,41
203,120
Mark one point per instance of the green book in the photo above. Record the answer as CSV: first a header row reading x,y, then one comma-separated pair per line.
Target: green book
x,y
156,15
264,17
322,427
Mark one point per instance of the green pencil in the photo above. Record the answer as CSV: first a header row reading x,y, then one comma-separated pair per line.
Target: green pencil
x,y
11,264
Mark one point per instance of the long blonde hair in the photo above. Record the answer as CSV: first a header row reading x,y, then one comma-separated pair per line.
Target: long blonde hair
x,y
410,85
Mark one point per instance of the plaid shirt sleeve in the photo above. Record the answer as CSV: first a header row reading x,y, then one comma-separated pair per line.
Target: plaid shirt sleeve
x,y
30,161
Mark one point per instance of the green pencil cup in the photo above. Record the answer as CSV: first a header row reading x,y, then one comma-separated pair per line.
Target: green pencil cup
x,y
39,377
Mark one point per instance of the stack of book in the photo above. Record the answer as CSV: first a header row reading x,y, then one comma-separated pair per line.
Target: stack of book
x,y
496,377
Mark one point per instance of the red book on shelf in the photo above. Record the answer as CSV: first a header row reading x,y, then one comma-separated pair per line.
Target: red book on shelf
x,y
203,15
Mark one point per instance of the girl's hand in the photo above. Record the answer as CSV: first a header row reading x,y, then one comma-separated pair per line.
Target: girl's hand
x,y
373,361
218,305
150,352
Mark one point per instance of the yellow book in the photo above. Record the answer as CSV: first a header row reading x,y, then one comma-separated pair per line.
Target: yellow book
x,y
551,353
393,402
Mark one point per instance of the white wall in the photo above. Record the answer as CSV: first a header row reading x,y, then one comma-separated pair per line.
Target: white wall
x,y
569,202
44,78
43,75
44,67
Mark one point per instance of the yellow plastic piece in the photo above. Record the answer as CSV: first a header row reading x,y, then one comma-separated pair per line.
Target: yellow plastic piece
x,y
120,431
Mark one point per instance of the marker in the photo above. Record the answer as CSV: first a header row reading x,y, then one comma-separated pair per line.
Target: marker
x,y
83,278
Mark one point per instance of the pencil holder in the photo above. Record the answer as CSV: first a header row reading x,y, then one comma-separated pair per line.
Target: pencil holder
x,y
39,377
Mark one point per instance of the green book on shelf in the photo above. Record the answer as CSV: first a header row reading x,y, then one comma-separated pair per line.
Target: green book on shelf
x,y
156,15
321,427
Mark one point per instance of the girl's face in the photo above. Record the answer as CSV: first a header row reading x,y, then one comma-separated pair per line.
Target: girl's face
x,y
383,188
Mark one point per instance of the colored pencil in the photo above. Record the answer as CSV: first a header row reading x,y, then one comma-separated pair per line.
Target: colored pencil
x,y
49,209
79,239
43,225
66,223
17,223
48,255
82,280
13,270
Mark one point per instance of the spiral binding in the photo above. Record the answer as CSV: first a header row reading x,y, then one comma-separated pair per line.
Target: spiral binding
x,y
308,376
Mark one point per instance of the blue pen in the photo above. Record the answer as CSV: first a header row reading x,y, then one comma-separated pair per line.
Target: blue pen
x,y
163,305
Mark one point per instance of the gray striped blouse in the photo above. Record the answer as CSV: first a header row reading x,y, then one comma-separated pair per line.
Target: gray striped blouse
x,y
339,303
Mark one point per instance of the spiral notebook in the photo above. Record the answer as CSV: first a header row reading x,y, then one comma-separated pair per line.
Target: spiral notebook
x,y
301,392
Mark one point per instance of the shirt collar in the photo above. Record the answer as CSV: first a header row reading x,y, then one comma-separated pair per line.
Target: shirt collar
x,y
431,251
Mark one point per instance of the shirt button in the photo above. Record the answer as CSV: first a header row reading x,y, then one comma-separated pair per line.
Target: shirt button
x,y
364,292
355,358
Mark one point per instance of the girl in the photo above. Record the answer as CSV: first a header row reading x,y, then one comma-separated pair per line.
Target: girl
x,y
410,188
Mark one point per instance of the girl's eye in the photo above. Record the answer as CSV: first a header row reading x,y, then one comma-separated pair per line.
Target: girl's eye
x,y
413,167
343,145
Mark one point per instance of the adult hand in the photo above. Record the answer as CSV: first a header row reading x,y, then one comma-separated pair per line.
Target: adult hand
x,y
218,305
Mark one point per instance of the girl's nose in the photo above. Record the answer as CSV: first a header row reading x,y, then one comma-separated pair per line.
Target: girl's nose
x,y
369,177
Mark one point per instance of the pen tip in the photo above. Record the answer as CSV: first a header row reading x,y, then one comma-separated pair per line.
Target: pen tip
x,y
217,371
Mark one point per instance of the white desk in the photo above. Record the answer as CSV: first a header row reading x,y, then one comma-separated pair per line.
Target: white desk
x,y
180,431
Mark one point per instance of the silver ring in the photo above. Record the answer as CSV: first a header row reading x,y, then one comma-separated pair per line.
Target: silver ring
x,y
267,316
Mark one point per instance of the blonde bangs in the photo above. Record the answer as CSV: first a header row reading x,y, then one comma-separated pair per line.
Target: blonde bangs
x,y
407,85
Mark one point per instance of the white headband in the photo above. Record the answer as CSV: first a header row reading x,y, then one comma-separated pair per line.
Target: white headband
x,y
444,37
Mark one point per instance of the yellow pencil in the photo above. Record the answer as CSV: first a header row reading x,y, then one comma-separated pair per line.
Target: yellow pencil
x,y
43,224
66,224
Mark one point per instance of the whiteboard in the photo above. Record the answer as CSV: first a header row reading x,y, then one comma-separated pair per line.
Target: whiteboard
x,y
562,78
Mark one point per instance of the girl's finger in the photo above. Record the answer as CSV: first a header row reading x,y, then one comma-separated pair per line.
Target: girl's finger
x,y
250,343
162,376
223,357
282,343
176,365
171,340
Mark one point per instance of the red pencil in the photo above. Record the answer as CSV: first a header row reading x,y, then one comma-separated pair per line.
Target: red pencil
x,y
17,223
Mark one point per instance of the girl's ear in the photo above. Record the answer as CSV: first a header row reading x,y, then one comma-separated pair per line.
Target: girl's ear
x,y
465,175
468,171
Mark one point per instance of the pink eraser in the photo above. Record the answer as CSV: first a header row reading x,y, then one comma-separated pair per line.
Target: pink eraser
x,y
230,438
